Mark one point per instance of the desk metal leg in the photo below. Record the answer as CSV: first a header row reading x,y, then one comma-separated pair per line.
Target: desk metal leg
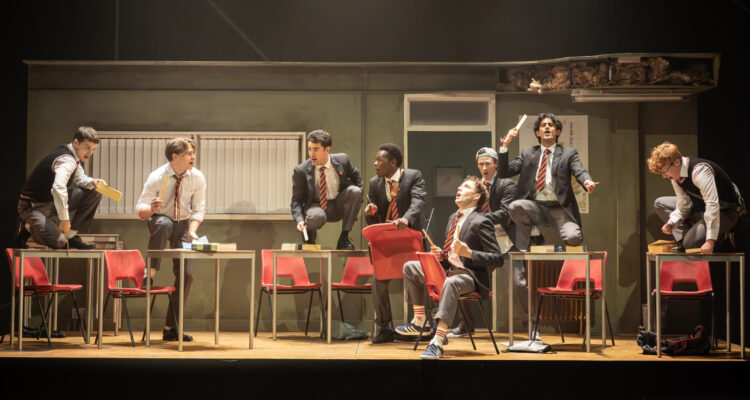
x,y
658,306
321,274
89,297
148,302
328,300
648,294
510,302
216,324
729,286
273,301
493,299
588,304
55,301
604,303
529,280
742,307
20,304
181,320
100,299
252,300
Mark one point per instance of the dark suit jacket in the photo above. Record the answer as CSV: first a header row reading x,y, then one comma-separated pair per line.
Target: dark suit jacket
x,y
565,163
303,182
502,192
478,233
409,200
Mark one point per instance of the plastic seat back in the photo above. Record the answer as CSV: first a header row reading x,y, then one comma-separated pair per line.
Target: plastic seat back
x,y
434,275
356,267
574,271
124,265
33,268
286,267
697,272
391,248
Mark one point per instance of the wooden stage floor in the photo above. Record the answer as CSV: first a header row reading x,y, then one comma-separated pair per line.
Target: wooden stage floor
x,y
292,345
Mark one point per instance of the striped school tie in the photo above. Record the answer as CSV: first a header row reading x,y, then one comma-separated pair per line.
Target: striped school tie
x,y
392,207
178,180
449,239
486,205
541,175
323,192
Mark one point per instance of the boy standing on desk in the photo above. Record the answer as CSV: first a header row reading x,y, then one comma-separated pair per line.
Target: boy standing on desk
x,y
58,186
173,203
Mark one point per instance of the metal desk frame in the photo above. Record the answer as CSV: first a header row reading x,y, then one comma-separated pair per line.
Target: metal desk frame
x,y
561,256
728,258
322,255
199,255
56,254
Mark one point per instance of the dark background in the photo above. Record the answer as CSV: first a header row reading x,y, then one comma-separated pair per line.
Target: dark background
x,y
383,30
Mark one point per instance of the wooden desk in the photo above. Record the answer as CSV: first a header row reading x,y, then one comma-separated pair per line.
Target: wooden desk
x,y
217,256
561,256
727,258
89,255
322,255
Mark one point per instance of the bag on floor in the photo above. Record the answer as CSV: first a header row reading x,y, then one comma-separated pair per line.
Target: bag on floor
x,y
346,331
694,343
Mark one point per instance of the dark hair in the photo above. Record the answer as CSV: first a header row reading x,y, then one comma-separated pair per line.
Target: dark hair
x,y
555,120
479,187
394,152
321,137
86,133
178,146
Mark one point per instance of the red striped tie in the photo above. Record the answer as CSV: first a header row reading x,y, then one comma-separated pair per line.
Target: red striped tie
x,y
449,239
323,193
392,207
486,205
178,180
541,176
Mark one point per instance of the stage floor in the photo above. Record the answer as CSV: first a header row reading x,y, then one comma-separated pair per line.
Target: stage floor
x,y
234,345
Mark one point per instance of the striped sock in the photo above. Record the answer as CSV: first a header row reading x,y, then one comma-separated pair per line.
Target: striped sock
x,y
418,315
439,336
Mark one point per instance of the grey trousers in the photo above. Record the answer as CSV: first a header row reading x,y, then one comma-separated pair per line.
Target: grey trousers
x,y
528,213
692,230
381,303
163,229
82,204
453,288
345,207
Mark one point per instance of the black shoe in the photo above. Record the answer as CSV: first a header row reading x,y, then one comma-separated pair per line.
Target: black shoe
x,y
384,336
143,285
311,237
76,243
22,235
171,336
678,249
344,243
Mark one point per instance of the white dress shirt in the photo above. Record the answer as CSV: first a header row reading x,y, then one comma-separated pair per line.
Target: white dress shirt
x,y
395,178
65,166
192,193
703,178
332,181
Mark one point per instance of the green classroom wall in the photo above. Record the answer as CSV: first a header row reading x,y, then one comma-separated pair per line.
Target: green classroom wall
x,y
362,106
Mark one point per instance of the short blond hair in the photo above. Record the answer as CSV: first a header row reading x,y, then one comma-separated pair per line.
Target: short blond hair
x,y
178,146
663,156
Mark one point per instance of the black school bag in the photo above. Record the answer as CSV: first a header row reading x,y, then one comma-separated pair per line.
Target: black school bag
x,y
696,342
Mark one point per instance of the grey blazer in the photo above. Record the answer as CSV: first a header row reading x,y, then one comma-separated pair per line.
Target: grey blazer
x,y
409,200
303,182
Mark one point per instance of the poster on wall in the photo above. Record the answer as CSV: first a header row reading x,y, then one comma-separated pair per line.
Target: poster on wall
x,y
575,134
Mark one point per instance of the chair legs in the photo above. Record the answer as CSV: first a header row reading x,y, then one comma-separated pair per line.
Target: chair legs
x,y
270,308
127,318
536,320
463,315
78,314
341,306
257,313
557,319
309,309
44,320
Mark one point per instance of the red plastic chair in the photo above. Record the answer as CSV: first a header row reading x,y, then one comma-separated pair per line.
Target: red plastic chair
x,y
33,268
573,272
696,272
434,280
356,268
128,265
391,248
286,267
